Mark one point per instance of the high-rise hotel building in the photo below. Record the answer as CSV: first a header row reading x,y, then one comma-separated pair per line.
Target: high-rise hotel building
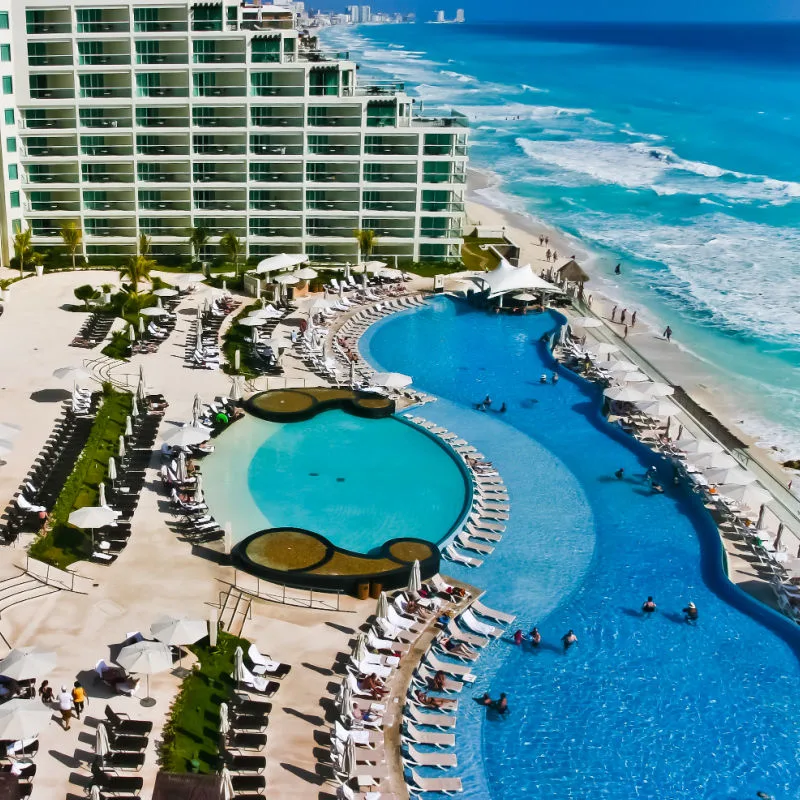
x,y
156,116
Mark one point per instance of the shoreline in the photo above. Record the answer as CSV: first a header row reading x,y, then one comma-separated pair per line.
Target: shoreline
x,y
677,364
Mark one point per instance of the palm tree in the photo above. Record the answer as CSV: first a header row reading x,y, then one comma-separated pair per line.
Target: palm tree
x,y
136,271
232,245
367,239
25,254
198,239
73,239
144,245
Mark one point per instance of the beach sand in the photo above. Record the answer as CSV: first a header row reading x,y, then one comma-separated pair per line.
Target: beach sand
x,y
674,363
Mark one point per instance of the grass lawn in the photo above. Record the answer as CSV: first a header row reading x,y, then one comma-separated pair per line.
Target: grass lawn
x,y
427,269
476,259
192,730
63,544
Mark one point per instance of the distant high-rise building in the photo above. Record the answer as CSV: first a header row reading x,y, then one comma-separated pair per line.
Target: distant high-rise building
x,y
366,13
459,15
353,12
440,16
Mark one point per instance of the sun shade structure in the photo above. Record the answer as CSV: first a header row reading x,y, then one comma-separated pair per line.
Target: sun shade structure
x,y
749,495
145,658
506,279
585,322
178,630
624,394
187,436
391,380
23,719
735,475
24,663
281,261
75,374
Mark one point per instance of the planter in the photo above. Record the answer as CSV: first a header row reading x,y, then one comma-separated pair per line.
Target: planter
x,y
39,270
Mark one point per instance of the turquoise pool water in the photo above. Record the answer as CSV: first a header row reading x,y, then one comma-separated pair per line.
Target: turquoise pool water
x,y
358,482
640,708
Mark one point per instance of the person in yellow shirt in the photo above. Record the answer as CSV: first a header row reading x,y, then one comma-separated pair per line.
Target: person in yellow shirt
x,y
78,698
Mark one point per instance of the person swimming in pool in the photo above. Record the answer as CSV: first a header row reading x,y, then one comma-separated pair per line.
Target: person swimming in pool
x,y
569,639
656,488
535,637
649,606
503,408
620,473
501,704
691,613
485,700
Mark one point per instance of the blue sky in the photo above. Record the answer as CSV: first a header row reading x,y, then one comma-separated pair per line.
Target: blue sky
x,y
612,10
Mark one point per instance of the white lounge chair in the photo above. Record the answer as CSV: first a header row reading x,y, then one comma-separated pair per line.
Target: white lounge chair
x,y
485,611
469,544
399,621
462,636
344,792
439,760
432,739
474,624
362,738
486,524
431,720
461,558
424,675
368,668
477,533
441,785
449,668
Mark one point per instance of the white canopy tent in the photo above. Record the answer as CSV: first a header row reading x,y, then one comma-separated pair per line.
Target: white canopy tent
x,y
506,279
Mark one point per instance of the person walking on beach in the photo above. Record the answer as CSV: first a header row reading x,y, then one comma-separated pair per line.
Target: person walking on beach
x,y
668,333
625,332
78,698
541,240
547,255
633,319
555,255
614,314
622,315
64,700
547,240
618,269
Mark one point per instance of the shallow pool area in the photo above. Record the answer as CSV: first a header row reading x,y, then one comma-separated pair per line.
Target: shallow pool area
x,y
639,708
357,482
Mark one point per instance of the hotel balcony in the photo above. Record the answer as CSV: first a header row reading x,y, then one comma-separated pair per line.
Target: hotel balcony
x,y
206,17
391,145
175,145
335,252
163,172
105,85
277,116
323,200
161,84
219,84
334,116
219,226
43,228
61,202
101,54
390,173
162,227
102,118
162,117
50,173
389,201
329,227
54,86
117,227
219,117
342,144
441,200
48,147
382,113
103,20
284,227
96,146
443,172
112,202
160,20
266,49
219,145
107,173
439,228
378,89
280,172
455,120
220,200
268,18
276,144
165,201
400,228
119,250
47,21
47,119
276,200
209,172
332,172
277,83
153,51
49,54
219,51
445,144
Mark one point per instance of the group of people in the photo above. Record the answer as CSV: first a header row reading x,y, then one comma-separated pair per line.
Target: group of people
x,y
68,701
535,638
486,404
553,378
500,705
690,613
649,477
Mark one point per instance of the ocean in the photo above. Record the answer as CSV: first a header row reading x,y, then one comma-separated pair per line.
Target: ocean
x,y
672,149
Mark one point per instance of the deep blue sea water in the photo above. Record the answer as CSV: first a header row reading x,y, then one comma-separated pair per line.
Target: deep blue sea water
x,y
673,149
640,709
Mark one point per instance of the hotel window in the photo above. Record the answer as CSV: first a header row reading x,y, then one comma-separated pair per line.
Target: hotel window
x,y
15,203
13,172
8,85
266,50
4,20
16,226
8,116
11,144
5,52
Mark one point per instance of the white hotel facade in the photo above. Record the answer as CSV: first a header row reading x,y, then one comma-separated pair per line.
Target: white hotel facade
x,y
156,117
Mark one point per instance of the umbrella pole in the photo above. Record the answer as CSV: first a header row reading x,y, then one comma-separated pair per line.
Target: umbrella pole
x,y
148,701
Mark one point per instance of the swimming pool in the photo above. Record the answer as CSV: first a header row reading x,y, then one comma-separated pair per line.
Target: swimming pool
x,y
639,708
357,482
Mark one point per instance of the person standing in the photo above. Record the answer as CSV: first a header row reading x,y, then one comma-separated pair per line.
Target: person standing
x,y
614,314
633,319
618,269
623,314
555,255
691,613
569,639
547,255
668,333
46,693
64,700
78,698
625,332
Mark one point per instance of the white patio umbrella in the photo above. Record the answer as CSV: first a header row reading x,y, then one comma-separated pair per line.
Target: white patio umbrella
x,y
281,261
198,489
586,322
181,469
251,322
92,517
658,408
374,266
287,280
735,475
414,579
698,446
73,374
153,311
178,630
391,380
101,745
621,365
604,348
187,436
235,393
134,407
121,447
145,658
625,394
224,720
112,470
24,663
382,608
9,431
141,326
101,494
166,292
345,700
360,651
712,460
306,274
128,426
657,389
227,784
349,757
23,719
630,377
751,495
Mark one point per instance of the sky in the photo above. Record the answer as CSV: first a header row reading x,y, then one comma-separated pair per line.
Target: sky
x,y
611,10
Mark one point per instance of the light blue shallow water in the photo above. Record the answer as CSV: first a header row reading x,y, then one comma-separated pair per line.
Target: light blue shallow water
x,y
639,708
672,149
358,482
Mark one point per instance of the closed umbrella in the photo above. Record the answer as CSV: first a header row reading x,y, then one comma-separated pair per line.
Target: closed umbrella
x,y
235,393
345,700
145,658
101,745
360,651
141,390
94,792
131,333
414,579
659,408
24,663
128,426
586,322
141,326
349,757
112,470
187,436
134,407
181,470
198,490
239,671
227,784
624,394
712,460
101,494
735,475
382,609
121,447
224,721
391,380
197,407
698,446
23,719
